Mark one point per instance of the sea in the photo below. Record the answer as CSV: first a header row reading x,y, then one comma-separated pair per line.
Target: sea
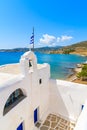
x,y
61,65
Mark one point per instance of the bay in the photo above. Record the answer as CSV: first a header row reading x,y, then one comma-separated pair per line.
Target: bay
x,y
61,65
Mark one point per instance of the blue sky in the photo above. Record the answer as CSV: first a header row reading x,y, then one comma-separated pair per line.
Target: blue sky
x,y
56,22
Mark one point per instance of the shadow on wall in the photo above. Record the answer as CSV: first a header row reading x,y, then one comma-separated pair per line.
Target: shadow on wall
x,y
60,101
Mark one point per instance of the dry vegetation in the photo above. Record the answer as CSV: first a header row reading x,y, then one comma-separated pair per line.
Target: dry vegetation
x,y
78,48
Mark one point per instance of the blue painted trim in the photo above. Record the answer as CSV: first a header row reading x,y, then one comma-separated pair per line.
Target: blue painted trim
x,y
82,107
20,127
35,115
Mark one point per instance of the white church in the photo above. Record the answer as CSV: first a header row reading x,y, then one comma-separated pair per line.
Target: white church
x,y
31,100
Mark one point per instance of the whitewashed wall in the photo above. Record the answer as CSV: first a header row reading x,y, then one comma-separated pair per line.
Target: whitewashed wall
x,y
17,114
82,120
66,98
37,95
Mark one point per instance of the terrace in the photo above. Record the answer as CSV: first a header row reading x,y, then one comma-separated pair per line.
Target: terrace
x,y
55,122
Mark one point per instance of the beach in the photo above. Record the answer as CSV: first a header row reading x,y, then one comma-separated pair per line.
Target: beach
x,y
73,77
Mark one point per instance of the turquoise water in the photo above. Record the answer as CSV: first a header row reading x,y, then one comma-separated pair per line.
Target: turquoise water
x,y
61,64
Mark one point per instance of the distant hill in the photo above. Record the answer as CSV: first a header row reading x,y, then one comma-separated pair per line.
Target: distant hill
x,y
77,48
79,44
42,49
15,50
47,49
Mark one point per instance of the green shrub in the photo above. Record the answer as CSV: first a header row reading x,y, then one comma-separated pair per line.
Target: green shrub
x,y
83,73
84,68
68,51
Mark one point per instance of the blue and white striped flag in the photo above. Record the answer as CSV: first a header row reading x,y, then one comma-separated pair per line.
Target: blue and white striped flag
x,y
32,39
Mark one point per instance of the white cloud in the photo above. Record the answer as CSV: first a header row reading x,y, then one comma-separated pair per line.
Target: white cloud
x,y
64,38
58,39
47,39
50,40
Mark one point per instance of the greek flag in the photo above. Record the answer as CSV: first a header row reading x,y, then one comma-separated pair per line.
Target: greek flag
x,y
32,39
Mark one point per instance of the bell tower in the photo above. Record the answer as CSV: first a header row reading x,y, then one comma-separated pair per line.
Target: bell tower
x,y
28,63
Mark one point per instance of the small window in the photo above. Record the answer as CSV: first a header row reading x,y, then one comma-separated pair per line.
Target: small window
x,y
40,81
30,63
13,100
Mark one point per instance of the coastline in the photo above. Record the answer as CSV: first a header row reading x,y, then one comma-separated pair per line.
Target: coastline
x,y
83,55
73,77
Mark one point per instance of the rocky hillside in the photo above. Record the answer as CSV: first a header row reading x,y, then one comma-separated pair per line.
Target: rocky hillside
x,y
78,48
